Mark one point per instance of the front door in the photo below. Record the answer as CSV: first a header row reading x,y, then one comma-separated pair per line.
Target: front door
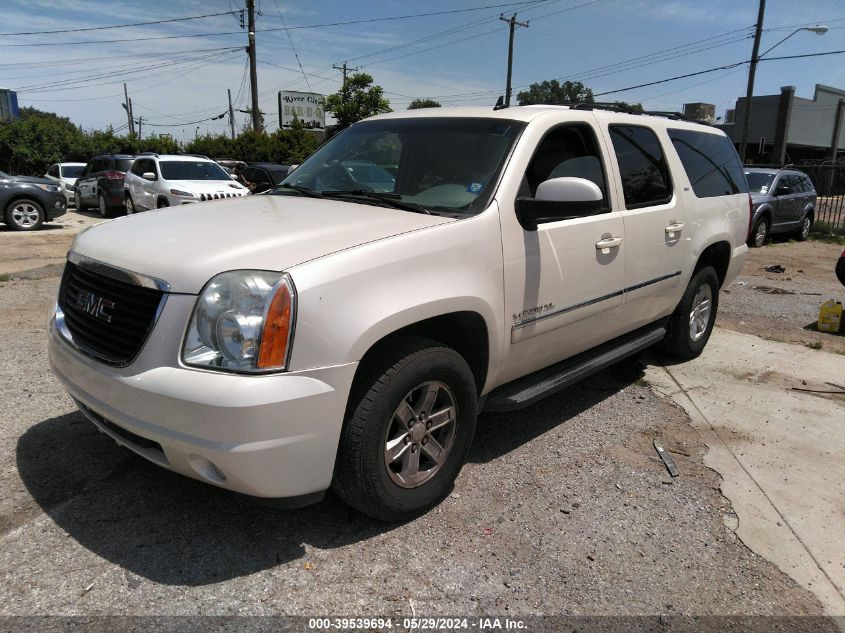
x,y
563,281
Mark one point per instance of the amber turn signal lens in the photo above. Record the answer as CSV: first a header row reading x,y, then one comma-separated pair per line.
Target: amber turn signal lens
x,y
275,338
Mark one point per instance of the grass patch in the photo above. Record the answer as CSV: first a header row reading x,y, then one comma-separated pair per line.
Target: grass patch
x,y
815,345
825,232
5,277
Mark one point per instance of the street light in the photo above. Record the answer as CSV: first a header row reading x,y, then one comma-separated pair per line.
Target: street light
x,y
746,124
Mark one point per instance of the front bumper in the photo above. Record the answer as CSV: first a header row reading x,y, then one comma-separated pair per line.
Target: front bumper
x,y
55,206
267,436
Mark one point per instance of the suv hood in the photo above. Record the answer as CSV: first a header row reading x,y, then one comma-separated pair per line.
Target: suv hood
x,y
189,244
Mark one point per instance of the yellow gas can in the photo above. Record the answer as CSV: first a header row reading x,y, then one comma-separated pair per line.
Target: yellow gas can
x,y
830,316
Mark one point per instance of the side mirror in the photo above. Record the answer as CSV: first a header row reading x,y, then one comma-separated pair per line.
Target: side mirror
x,y
782,189
559,199
148,175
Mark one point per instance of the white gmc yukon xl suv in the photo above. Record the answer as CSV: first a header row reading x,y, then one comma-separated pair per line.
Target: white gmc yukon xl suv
x,y
345,331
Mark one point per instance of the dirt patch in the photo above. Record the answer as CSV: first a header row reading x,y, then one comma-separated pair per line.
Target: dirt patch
x,y
779,306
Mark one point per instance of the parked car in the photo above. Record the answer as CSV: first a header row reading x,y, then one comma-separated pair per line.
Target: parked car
x,y
26,202
784,201
65,175
155,181
840,268
230,165
100,184
261,177
318,337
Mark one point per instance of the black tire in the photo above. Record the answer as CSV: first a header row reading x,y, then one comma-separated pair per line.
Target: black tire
x,y
803,231
407,366
679,341
24,215
162,203
80,206
130,205
104,209
760,235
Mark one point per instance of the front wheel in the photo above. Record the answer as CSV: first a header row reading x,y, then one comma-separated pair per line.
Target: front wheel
x,y
804,231
408,432
24,215
130,205
692,322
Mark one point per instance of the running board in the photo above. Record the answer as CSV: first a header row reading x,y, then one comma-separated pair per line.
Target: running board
x,y
525,391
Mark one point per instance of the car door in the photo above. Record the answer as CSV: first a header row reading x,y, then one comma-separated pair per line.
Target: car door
x,y
84,184
655,221
563,280
145,188
783,203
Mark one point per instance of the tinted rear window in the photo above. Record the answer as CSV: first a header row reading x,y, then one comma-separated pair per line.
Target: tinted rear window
x,y
711,163
123,164
72,171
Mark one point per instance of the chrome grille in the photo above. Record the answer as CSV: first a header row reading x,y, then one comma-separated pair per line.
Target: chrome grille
x,y
106,317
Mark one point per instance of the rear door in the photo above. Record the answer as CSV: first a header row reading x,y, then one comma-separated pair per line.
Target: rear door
x,y
86,181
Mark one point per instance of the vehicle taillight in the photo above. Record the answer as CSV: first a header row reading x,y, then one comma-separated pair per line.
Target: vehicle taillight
x,y
750,217
114,175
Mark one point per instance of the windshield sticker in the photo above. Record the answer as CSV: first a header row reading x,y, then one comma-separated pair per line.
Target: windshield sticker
x,y
475,187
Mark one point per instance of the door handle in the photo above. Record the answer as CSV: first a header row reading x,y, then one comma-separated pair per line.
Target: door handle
x,y
608,242
675,227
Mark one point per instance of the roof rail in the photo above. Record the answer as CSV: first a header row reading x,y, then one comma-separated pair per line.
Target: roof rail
x,y
627,109
198,156
149,154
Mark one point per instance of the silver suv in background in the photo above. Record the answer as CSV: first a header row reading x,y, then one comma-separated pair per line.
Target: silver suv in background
x,y
155,181
784,201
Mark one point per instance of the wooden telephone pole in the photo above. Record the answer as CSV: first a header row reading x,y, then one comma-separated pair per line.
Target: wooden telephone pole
x,y
512,22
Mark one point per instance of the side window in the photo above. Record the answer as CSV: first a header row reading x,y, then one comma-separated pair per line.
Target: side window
x,y
808,184
261,177
566,151
711,163
136,168
54,171
642,166
795,184
98,165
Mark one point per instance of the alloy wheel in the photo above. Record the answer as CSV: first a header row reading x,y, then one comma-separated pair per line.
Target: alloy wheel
x,y
25,215
421,434
699,317
761,233
805,227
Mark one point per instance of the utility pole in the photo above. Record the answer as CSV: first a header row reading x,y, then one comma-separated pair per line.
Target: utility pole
x,y
344,69
752,70
231,114
140,123
253,74
513,24
128,106
280,109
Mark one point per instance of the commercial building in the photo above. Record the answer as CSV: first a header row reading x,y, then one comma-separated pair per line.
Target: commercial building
x,y
789,129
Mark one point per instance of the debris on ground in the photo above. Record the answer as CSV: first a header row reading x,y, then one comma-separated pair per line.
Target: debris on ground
x,y
667,459
777,268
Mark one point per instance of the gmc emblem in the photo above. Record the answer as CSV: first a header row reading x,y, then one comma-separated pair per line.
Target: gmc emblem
x,y
97,307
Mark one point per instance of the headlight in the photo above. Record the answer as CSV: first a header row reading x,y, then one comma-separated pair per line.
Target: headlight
x,y
242,322
68,187
179,192
51,188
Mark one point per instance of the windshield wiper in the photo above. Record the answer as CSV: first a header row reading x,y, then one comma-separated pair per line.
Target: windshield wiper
x,y
391,199
305,191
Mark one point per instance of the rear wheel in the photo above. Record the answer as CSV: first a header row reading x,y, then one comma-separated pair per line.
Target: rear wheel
x,y
692,322
760,233
24,215
408,431
804,230
105,211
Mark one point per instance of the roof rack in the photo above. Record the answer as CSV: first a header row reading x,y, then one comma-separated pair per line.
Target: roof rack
x,y
149,154
197,156
627,109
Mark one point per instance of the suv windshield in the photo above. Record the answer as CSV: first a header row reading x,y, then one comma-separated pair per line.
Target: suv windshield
x,y
758,181
442,164
189,170
72,171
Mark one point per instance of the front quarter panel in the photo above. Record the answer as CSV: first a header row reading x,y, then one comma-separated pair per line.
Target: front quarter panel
x,y
350,300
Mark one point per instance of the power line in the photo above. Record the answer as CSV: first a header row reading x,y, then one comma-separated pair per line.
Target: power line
x,y
290,39
117,26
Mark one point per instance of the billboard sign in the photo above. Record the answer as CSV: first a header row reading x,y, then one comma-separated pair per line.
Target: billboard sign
x,y
305,106
8,105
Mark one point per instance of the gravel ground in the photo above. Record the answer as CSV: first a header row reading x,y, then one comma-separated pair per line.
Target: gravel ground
x,y
563,508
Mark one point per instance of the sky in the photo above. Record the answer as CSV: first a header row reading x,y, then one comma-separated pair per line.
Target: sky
x,y
457,57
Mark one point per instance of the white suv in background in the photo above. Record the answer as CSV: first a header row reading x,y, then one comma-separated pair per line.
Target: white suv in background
x,y
157,181
65,175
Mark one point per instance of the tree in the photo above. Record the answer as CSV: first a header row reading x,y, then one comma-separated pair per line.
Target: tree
x,y
418,104
357,99
31,143
635,107
552,92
